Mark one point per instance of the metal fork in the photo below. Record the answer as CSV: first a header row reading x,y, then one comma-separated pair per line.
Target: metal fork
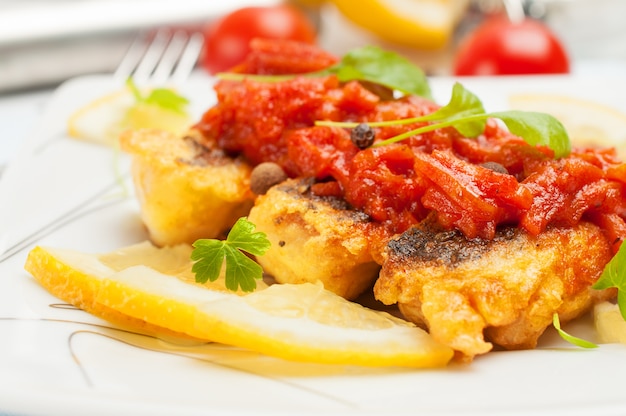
x,y
167,57
164,57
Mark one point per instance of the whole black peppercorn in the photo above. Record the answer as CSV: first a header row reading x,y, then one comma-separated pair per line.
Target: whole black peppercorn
x,y
362,136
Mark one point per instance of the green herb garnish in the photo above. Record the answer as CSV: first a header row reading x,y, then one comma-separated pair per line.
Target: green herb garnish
x,y
161,97
373,64
579,342
614,275
368,63
466,114
241,270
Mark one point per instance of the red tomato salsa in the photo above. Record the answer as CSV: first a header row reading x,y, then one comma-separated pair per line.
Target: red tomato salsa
x,y
472,184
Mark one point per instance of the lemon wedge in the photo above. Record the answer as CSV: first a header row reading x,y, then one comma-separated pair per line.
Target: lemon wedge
x,y
609,323
104,119
422,24
588,123
303,323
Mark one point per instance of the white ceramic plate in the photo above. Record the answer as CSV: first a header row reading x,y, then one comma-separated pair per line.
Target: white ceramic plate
x,y
56,360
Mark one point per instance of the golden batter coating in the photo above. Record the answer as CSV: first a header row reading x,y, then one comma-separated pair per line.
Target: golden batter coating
x,y
472,293
186,191
314,239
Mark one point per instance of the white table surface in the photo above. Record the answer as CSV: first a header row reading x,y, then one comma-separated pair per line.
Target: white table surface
x,y
18,115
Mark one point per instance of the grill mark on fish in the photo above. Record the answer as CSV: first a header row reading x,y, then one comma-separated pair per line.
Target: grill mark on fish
x,y
430,243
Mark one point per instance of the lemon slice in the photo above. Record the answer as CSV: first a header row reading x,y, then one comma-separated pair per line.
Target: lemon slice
x,y
102,120
145,115
152,289
76,277
589,124
422,24
609,323
296,322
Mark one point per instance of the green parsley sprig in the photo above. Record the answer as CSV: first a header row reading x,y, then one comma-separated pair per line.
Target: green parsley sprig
x,y
241,271
465,112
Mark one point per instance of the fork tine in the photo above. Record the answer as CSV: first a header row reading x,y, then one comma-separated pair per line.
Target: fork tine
x,y
131,59
189,58
168,59
152,57
165,58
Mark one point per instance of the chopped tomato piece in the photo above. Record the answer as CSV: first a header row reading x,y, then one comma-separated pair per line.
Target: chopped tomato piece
x,y
472,184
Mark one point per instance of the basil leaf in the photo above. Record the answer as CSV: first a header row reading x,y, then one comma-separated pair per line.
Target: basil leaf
x,y
368,63
371,63
537,129
462,105
614,275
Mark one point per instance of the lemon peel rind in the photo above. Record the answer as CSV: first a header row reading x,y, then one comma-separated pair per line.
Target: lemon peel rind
x,y
125,292
150,302
230,319
79,288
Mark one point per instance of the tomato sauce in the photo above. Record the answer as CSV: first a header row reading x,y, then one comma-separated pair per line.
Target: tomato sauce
x,y
399,184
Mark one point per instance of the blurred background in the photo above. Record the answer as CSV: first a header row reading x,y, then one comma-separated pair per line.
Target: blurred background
x,y
45,42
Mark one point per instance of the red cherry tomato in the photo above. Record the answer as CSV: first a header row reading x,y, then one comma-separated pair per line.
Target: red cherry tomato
x,y
227,40
502,47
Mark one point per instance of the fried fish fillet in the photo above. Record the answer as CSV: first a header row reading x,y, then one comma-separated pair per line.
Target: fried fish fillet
x,y
472,293
314,239
185,190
